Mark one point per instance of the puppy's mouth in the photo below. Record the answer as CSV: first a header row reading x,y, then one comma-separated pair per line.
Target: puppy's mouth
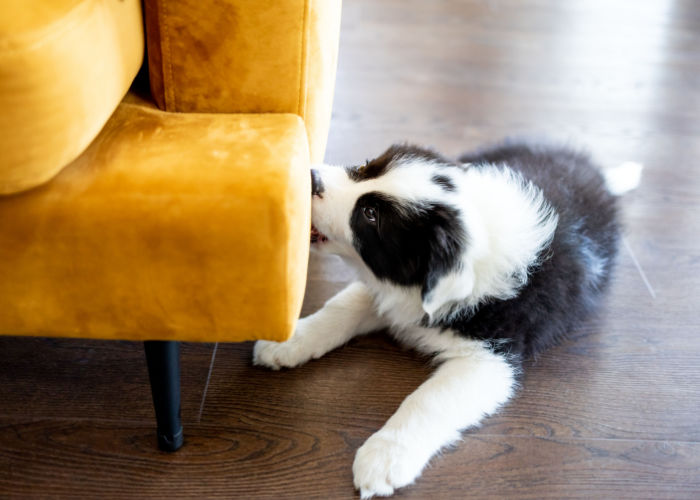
x,y
317,236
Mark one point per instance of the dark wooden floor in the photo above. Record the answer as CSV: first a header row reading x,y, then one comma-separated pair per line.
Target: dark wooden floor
x,y
612,413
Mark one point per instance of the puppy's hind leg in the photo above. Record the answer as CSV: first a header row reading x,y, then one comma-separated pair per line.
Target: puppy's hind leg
x,y
349,313
471,382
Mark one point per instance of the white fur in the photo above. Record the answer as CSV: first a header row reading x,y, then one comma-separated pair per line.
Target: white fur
x,y
508,222
595,263
471,383
623,178
349,313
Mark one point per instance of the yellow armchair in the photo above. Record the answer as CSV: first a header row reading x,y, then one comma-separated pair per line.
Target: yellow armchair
x,y
181,216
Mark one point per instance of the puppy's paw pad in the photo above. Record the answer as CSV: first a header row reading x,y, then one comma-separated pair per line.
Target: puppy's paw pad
x,y
276,355
383,464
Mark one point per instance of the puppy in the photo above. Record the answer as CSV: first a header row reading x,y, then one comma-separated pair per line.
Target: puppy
x,y
479,263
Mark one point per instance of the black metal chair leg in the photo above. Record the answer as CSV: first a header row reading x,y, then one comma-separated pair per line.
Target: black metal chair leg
x,y
163,359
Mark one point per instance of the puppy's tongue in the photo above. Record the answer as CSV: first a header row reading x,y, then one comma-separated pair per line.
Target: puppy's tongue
x,y
316,235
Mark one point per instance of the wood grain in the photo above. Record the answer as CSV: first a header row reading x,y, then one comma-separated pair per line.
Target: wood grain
x,y
90,379
611,413
248,459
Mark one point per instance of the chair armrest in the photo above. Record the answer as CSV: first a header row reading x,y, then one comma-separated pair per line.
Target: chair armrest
x,y
169,226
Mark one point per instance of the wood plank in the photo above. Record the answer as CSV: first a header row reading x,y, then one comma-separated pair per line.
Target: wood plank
x,y
249,460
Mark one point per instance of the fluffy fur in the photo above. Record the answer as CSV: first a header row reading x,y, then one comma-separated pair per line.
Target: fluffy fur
x,y
480,263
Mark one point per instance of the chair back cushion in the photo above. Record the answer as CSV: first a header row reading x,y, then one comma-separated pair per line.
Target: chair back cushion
x,y
246,56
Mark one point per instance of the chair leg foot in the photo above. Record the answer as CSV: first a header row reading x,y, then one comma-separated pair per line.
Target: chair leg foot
x,y
163,359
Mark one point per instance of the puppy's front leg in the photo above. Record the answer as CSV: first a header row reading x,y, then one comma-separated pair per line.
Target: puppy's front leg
x,y
471,382
351,312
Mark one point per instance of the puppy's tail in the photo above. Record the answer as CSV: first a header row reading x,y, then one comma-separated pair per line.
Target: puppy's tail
x,y
623,178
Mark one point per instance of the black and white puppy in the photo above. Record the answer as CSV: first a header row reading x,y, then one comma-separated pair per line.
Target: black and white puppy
x,y
479,263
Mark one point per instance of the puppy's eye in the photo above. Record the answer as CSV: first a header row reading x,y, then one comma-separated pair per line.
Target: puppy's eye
x,y
370,214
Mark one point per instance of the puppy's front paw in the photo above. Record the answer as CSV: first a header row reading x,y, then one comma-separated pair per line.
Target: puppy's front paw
x,y
276,355
383,464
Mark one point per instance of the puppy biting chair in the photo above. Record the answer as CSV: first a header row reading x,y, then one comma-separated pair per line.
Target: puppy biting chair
x,y
178,217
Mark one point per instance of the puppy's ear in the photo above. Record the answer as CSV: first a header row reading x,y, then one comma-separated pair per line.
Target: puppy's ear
x,y
449,278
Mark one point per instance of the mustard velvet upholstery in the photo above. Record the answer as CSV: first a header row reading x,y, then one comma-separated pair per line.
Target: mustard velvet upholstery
x,y
190,225
246,56
64,67
169,227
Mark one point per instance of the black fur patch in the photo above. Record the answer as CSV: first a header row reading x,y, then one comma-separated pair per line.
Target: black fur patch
x,y
390,159
410,244
444,182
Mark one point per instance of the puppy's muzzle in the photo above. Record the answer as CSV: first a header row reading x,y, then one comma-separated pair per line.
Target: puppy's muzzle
x,y
316,184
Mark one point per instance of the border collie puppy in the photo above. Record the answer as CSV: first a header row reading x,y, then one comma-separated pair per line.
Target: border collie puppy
x,y
479,263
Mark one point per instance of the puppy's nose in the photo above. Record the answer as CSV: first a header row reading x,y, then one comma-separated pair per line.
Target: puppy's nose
x,y
316,183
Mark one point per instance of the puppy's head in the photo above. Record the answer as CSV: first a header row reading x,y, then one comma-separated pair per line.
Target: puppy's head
x,y
400,217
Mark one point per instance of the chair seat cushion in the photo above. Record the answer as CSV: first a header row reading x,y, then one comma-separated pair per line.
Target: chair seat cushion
x,y
64,67
169,226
